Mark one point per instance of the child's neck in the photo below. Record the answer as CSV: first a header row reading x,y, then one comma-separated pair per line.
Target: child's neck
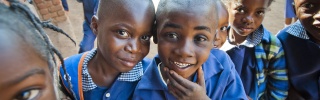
x,y
235,38
101,72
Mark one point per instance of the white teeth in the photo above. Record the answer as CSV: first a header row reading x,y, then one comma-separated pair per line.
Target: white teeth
x,y
181,65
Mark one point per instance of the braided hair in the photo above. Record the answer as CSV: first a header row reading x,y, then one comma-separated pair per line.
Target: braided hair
x,y
28,26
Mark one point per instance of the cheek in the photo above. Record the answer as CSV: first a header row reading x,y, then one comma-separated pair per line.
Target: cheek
x,y
202,55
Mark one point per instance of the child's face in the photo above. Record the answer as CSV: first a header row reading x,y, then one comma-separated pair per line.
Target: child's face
x,y
184,40
221,35
124,34
245,16
308,12
24,74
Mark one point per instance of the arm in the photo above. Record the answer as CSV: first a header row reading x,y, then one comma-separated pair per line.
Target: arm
x,y
277,85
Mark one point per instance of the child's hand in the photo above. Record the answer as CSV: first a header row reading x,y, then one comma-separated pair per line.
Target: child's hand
x,y
184,89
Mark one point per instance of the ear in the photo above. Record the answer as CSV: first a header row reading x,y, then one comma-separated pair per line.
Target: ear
x,y
154,33
94,24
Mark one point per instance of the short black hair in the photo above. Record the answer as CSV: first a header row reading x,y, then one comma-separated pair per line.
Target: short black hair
x,y
165,6
228,1
109,5
19,19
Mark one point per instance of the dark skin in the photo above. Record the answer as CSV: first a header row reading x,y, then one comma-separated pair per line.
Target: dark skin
x,y
185,38
245,16
308,12
222,32
24,75
123,38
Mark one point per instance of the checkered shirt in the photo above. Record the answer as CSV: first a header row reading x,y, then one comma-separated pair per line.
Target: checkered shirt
x,y
87,83
298,30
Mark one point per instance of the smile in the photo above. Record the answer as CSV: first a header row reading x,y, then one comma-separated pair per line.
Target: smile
x,y
181,65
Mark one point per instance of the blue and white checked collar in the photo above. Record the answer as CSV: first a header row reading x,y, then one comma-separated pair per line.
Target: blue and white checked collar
x,y
297,30
87,83
252,40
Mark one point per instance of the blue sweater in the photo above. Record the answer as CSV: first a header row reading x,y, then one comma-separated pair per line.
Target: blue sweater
x,y
221,79
303,61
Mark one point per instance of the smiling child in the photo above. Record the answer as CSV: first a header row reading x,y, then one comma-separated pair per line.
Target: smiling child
x,y
301,42
112,70
185,68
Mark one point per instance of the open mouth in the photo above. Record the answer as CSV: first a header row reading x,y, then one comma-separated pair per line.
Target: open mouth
x,y
181,65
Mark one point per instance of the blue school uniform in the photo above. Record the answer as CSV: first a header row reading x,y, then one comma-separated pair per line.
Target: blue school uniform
x,y
260,62
303,61
85,89
87,42
221,80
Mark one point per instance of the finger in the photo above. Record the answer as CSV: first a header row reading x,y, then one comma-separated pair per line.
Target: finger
x,y
177,86
182,81
175,92
201,80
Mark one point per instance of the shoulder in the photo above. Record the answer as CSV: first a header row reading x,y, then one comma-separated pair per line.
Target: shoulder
x,y
283,34
221,57
145,63
218,62
270,39
74,59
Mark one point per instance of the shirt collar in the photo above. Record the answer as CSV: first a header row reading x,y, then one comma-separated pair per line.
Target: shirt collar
x,y
133,75
297,30
252,40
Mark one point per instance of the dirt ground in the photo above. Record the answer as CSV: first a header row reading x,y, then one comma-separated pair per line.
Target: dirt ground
x,y
274,20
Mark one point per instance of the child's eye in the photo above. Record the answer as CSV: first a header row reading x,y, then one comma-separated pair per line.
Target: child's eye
x,y
308,5
240,10
172,35
27,95
260,13
123,33
224,28
200,38
145,38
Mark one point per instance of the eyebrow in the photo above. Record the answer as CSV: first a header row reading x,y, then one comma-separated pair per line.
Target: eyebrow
x,y
172,25
28,74
203,28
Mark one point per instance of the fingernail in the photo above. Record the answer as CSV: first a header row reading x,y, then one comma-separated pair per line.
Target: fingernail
x,y
171,72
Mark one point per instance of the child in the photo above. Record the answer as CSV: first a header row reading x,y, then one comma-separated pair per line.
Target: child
x,y
112,70
257,54
87,42
221,34
301,43
185,32
27,65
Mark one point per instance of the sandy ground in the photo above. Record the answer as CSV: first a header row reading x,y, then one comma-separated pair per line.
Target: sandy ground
x,y
274,20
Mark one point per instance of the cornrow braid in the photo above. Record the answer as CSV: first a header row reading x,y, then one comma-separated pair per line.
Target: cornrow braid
x,y
23,10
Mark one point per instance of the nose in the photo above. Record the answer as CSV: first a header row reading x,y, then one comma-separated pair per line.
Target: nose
x,y
217,36
133,46
185,50
248,20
